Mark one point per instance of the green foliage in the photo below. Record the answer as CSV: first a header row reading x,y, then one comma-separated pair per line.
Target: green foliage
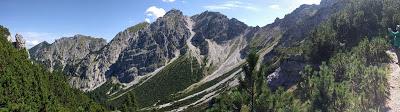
x,y
253,94
126,103
175,77
353,79
345,29
4,31
100,94
251,80
26,86
349,81
278,101
321,48
229,101
206,85
346,71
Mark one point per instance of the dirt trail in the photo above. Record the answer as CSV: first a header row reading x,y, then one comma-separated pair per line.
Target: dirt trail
x,y
393,101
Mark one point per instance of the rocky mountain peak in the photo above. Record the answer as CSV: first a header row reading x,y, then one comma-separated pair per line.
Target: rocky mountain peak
x,y
217,18
174,12
153,48
79,35
44,43
79,38
217,27
40,45
211,15
66,51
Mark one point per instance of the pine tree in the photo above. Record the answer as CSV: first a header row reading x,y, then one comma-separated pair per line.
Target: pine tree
x,y
251,78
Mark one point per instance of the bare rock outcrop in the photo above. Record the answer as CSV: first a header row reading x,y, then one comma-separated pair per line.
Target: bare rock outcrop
x,y
154,47
90,72
19,42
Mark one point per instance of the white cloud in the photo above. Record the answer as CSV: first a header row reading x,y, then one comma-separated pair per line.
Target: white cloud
x,y
147,20
32,42
168,0
154,11
275,7
231,5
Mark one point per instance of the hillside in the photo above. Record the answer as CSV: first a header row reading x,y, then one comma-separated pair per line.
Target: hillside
x,y
27,86
341,65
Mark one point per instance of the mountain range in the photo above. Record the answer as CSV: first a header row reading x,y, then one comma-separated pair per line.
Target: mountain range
x,y
217,44
211,38
180,62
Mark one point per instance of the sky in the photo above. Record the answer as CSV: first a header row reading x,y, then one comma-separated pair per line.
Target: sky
x,y
47,20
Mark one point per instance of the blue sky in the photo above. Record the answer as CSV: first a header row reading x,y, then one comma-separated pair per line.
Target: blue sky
x,y
47,20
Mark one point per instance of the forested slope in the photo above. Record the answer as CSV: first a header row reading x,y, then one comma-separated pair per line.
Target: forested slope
x,y
27,86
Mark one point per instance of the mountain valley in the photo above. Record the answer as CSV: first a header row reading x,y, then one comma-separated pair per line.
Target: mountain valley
x,y
327,57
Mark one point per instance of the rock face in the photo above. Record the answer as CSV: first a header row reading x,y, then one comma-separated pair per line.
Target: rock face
x,y
90,72
65,52
154,47
220,41
287,75
19,42
37,48
216,27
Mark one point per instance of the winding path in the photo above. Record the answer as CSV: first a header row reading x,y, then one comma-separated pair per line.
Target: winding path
x,y
393,101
